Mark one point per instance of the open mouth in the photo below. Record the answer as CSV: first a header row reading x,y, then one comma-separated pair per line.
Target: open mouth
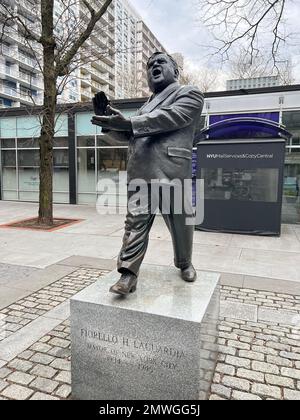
x,y
156,72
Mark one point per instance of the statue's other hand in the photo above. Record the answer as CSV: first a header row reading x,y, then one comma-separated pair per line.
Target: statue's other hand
x,y
100,103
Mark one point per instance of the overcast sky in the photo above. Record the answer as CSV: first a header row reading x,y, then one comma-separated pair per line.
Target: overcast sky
x,y
174,22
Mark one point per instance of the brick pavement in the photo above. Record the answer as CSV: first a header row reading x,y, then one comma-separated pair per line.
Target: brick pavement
x,y
257,360
24,311
43,370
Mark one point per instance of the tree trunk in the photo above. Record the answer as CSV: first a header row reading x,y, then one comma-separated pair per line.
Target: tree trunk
x,y
48,116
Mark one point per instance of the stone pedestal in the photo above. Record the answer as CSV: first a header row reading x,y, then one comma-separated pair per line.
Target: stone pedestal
x,y
159,343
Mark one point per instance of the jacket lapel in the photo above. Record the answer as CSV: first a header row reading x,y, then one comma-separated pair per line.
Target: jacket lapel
x,y
158,99
141,110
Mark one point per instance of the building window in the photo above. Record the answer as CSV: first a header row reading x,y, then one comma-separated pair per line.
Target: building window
x,y
20,160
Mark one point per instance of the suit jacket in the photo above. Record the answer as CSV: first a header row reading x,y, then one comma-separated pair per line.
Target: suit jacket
x,y
163,133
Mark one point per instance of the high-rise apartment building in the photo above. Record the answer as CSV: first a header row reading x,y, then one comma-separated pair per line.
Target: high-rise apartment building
x,y
113,59
97,69
20,75
128,42
135,43
21,80
147,44
126,49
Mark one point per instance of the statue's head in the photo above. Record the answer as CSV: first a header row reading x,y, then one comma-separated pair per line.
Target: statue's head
x,y
162,70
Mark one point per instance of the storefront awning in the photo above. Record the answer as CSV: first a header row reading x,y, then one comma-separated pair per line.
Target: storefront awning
x,y
243,128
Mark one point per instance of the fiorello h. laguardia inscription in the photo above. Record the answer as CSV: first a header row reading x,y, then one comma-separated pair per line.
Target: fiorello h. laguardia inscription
x,y
118,350
157,343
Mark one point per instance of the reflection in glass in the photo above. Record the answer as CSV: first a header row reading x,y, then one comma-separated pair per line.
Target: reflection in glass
x,y
60,174
86,167
291,186
29,195
294,151
108,141
259,184
61,158
8,143
9,195
28,143
86,141
29,179
9,173
28,158
112,164
28,161
61,197
86,198
61,142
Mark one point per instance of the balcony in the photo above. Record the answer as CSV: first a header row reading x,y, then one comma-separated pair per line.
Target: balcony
x,y
28,8
31,81
108,60
8,73
34,26
29,99
86,94
98,87
8,92
99,40
28,61
11,33
85,80
102,77
7,51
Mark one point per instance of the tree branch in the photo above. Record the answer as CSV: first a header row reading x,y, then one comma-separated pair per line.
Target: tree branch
x,y
250,23
10,16
64,62
89,7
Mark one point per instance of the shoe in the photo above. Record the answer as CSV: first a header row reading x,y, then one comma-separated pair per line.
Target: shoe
x,y
126,284
189,274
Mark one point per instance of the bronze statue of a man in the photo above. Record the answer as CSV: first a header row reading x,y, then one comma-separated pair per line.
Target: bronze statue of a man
x,y
160,148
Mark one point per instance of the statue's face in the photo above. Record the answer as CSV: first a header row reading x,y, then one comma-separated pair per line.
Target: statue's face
x,y
161,73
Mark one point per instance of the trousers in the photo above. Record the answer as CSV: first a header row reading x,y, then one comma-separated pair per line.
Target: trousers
x,y
139,222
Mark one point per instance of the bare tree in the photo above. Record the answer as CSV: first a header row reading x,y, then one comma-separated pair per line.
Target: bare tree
x,y
257,25
58,42
287,74
204,78
241,67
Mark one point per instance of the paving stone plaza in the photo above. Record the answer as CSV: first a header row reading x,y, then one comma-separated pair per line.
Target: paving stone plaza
x,y
259,328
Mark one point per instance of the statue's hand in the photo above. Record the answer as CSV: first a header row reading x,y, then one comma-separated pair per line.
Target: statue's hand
x,y
115,121
100,103
113,111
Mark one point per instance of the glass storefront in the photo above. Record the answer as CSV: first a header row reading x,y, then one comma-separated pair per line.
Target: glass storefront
x,y
95,166
20,159
101,164
291,197
99,159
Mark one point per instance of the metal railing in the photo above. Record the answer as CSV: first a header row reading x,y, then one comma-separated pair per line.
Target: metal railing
x,y
7,71
27,60
33,81
6,90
